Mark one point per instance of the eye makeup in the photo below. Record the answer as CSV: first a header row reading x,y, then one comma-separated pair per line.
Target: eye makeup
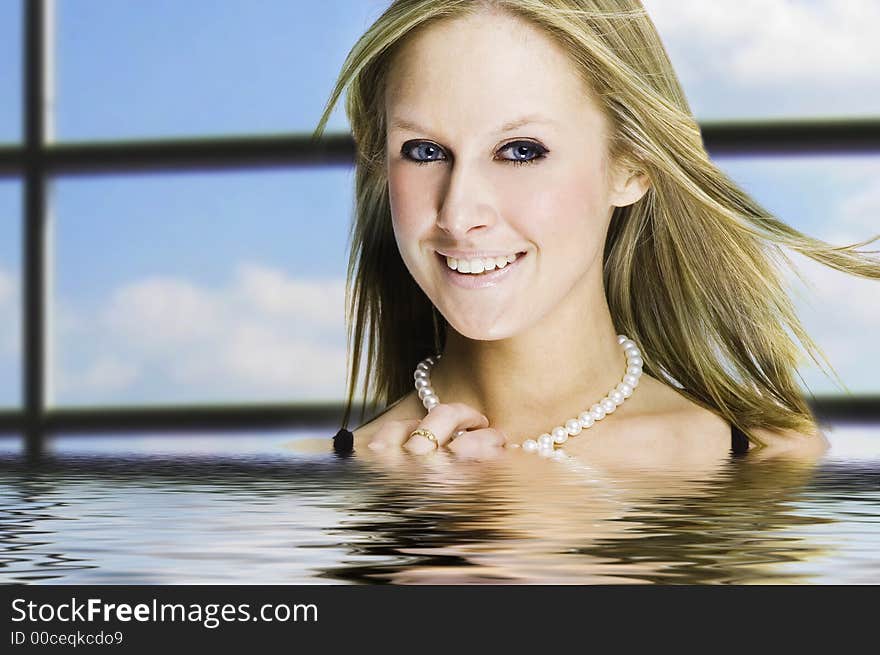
x,y
410,147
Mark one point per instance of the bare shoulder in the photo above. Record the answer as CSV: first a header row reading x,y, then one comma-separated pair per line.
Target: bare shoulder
x,y
695,426
676,417
789,444
660,428
406,408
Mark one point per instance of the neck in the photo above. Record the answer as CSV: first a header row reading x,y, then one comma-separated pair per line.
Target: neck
x,y
528,383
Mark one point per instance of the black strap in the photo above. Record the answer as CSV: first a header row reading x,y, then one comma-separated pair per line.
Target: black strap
x,y
739,442
343,442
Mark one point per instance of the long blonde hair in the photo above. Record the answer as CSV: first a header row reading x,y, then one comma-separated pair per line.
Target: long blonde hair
x,y
692,271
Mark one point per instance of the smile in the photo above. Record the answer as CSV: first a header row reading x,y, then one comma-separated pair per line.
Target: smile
x,y
488,271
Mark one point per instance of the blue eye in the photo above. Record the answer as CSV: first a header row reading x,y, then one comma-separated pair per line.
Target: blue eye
x,y
521,150
425,152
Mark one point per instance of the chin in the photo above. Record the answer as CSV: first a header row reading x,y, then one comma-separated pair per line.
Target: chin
x,y
482,329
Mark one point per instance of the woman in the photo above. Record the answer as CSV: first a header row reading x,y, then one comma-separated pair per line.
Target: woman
x,y
543,254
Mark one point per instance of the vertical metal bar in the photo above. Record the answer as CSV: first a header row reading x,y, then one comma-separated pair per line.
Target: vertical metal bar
x,y
34,296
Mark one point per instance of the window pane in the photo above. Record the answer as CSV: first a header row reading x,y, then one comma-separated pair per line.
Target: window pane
x,y
837,200
165,68
170,68
752,58
10,304
10,70
201,287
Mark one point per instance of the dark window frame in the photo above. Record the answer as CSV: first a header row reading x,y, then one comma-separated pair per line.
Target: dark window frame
x,y
36,161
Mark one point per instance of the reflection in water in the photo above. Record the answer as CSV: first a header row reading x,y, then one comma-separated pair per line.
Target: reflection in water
x,y
275,517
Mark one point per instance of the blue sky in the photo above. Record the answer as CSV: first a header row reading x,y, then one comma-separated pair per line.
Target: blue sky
x,y
227,286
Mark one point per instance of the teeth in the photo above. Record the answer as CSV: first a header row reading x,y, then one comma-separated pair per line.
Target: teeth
x,y
479,265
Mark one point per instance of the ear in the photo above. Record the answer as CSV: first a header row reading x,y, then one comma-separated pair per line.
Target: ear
x,y
628,185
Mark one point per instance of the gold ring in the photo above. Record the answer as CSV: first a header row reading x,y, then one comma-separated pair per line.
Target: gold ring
x,y
427,434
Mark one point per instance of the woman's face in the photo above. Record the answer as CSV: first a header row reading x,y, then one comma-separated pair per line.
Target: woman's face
x,y
495,148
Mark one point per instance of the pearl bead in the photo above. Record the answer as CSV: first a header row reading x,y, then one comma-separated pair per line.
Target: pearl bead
x,y
544,445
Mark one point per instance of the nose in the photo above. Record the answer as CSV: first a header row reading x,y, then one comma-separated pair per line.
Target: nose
x,y
467,204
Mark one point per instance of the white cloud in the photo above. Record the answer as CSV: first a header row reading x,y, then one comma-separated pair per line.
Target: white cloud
x,y
838,312
773,59
859,217
108,373
855,214
837,195
7,288
266,358
165,338
760,42
160,312
306,300
9,312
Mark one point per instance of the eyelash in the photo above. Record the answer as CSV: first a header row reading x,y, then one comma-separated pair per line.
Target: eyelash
x,y
541,153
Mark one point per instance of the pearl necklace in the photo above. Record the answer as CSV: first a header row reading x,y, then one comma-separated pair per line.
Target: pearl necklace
x,y
545,445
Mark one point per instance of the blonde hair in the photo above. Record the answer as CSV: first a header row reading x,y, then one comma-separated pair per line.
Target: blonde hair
x,y
692,271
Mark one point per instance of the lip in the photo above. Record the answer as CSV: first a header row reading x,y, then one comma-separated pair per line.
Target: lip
x,y
477,254
490,279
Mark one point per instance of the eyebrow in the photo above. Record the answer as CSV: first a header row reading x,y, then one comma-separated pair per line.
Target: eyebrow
x,y
412,126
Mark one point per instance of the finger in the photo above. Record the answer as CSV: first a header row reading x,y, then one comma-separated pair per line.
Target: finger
x,y
419,445
447,418
474,440
393,434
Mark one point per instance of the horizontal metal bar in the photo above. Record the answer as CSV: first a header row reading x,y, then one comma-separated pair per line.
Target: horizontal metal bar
x,y
792,137
856,409
145,419
846,409
748,138
291,472
163,155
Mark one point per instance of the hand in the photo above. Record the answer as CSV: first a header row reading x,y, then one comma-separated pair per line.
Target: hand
x,y
476,438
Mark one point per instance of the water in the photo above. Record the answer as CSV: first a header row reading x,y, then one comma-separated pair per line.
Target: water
x,y
254,509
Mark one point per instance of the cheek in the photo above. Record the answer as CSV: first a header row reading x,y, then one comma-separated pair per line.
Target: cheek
x,y
562,207
409,196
